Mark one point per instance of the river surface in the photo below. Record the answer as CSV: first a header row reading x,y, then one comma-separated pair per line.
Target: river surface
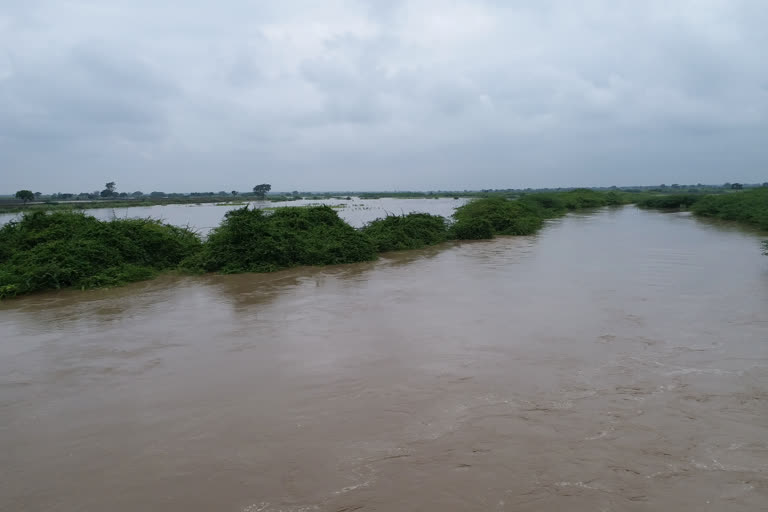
x,y
205,216
617,361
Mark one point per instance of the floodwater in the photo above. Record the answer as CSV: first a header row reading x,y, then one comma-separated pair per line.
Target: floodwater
x,y
205,216
617,361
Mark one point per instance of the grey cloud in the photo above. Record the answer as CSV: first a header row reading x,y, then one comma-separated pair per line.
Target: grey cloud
x,y
367,94
83,94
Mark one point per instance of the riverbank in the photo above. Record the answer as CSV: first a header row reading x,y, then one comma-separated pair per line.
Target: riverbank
x,y
62,249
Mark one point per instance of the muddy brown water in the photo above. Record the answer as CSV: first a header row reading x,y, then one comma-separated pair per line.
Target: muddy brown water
x,y
616,361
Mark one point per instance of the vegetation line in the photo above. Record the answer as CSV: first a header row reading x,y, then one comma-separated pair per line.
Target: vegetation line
x,y
63,249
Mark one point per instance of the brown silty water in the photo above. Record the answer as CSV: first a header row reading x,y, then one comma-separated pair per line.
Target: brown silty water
x,y
616,361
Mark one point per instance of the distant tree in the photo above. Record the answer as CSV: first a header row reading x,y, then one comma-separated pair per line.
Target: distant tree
x,y
138,193
726,185
109,190
38,194
234,192
157,194
261,190
737,186
25,195
222,193
123,194
765,184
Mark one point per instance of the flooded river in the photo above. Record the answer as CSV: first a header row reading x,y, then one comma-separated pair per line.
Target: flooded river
x,y
617,361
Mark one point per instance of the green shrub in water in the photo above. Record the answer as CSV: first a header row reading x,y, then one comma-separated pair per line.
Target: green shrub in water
x,y
749,207
670,201
550,204
472,229
251,240
63,249
412,231
505,217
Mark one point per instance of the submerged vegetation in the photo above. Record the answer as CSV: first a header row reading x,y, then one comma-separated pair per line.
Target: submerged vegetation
x,y
745,206
251,240
59,249
46,251
669,201
412,231
504,217
748,207
486,217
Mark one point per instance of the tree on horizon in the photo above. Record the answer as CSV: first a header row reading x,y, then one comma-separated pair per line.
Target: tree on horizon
x,y
25,195
262,190
109,189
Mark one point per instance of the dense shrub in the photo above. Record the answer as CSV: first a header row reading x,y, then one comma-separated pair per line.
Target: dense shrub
x,y
749,207
504,216
550,204
587,198
472,229
412,231
670,201
252,240
553,204
62,249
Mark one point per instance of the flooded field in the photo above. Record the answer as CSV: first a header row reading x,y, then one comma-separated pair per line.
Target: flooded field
x,y
205,216
616,361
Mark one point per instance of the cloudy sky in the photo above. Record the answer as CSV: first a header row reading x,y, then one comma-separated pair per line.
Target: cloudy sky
x,y
188,95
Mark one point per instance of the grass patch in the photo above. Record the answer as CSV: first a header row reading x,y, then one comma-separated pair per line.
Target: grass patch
x,y
412,231
44,251
251,240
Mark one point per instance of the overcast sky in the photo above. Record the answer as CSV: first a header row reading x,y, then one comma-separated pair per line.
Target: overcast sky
x,y
188,95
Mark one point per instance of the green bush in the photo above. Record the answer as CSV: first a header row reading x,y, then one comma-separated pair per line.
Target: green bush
x,y
553,204
412,231
67,249
550,204
251,240
504,216
587,198
749,207
472,229
670,201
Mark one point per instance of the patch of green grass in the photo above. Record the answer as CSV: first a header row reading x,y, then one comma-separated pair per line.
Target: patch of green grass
x,y
252,240
412,231
44,251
